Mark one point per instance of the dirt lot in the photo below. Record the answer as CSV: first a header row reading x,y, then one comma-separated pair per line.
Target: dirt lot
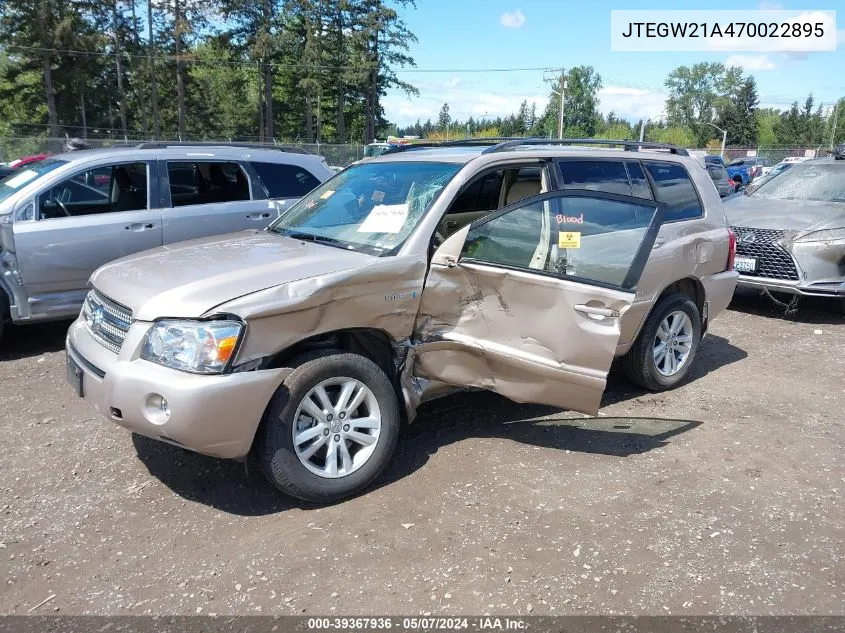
x,y
724,496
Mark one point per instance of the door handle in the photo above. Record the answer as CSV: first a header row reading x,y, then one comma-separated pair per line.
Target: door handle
x,y
140,226
597,311
660,241
257,216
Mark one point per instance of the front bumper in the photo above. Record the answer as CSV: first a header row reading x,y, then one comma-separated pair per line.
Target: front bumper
x,y
832,289
812,269
214,415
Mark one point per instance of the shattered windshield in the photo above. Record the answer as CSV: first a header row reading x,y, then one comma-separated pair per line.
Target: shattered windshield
x,y
824,182
370,207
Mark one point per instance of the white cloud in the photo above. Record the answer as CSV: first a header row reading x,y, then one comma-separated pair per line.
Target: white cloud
x,y
452,83
513,19
751,62
631,103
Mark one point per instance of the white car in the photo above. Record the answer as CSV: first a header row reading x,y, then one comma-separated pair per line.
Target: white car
x,y
789,160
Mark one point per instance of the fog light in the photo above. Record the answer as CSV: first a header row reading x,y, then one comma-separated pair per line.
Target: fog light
x,y
156,409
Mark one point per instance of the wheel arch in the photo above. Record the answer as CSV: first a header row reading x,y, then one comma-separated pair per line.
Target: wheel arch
x,y
372,343
690,286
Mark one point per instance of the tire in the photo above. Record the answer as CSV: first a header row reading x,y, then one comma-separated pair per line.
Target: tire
x,y
4,311
639,363
275,450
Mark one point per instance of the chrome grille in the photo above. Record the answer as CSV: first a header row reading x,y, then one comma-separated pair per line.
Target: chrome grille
x,y
107,321
773,260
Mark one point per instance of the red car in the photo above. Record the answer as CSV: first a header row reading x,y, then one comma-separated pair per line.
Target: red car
x,y
26,160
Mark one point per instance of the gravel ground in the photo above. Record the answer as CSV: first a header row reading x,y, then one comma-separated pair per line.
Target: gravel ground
x,y
723,496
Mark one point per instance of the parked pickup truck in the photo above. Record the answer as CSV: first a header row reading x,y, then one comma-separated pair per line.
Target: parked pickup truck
x,y
744,170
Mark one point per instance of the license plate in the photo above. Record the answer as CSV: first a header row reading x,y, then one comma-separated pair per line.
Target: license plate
x,y
745,264
74,376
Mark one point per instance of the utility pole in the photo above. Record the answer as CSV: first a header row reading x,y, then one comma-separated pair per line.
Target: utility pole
x,y
559,92
833,130
642,130
562,88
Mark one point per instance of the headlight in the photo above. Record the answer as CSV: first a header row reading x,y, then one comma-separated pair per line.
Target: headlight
x,y
199,347
825,235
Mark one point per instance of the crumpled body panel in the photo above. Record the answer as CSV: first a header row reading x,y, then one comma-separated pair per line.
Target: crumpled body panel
x,y
516,333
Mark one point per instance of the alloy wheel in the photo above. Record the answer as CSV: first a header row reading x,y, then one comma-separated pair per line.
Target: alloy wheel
x,y
336,427
673,343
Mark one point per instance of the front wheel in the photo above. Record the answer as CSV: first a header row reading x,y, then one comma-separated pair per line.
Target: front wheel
x,y
664,351
331,428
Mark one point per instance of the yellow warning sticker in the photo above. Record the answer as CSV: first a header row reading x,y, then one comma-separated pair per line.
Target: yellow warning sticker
x,y
569,239
327,194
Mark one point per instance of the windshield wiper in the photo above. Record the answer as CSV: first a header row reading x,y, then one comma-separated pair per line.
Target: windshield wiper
x,y
317,239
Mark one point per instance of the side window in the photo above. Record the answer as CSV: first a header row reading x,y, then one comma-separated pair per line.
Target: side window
x,y
489,192
591,238
482,194
511,239
285,181
608,176
672,186
639,184
98,190
205,183
715,173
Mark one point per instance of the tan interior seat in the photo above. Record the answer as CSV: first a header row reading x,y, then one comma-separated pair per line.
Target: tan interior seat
x,y
518,190
522,189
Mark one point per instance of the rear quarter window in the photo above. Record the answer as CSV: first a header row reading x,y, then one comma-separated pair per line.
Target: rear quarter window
x,y
285,181
673,187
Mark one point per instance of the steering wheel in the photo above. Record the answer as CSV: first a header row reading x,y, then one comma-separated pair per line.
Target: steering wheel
x,y
62,207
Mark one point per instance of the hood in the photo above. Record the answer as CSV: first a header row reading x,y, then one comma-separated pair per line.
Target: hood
x,y
773,213
191,278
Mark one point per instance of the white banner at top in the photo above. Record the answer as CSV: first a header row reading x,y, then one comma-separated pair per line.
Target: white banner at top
x,y
776,31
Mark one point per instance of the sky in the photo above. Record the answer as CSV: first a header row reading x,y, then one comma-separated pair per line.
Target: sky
x,y
457,37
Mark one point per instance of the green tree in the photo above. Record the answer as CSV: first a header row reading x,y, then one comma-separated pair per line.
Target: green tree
x,y
617,130
443,119
737,114
676,135
766,120
835,129
694,93
580,108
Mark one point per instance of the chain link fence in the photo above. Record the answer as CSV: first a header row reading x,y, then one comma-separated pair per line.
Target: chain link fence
x,y
773,154
336,154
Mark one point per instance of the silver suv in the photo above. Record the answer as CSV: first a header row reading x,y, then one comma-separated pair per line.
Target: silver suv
x,y
521,267
64,217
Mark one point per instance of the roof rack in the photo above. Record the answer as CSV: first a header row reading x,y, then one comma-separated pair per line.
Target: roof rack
x,y
504,143
165,144
466,142
630,146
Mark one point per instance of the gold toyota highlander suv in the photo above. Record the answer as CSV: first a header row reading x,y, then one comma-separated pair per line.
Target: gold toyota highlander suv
x,y
521,266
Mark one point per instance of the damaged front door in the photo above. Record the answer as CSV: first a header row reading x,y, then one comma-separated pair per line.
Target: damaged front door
x,y
527,301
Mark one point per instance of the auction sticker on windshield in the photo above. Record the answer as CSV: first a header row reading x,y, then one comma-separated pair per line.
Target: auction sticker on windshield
x,y
385,218
21,178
